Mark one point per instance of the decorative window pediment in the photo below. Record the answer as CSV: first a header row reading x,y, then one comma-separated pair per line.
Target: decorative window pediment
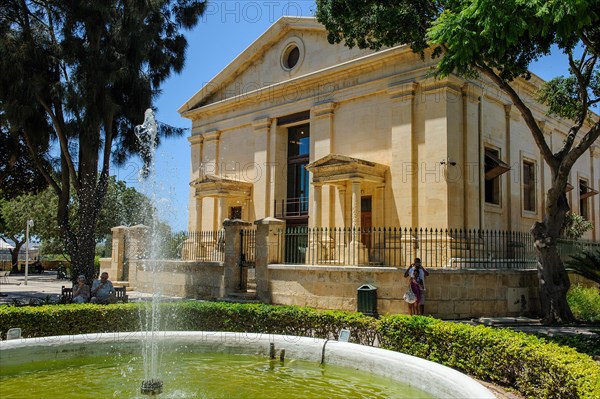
x,y
335,168
586,192
216,186
494,166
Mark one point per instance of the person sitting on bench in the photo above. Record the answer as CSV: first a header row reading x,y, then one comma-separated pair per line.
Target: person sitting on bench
x,y
81,291
103,290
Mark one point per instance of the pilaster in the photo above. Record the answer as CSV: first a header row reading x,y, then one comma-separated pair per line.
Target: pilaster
x,y
262,189
404,166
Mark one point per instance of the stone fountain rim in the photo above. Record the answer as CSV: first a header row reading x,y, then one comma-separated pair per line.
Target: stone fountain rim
x,y
435,378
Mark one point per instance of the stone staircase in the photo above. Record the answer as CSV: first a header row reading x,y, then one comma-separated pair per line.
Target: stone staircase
x,y
249,296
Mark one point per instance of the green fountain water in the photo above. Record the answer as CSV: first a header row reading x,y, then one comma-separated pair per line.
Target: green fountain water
x,y
195,375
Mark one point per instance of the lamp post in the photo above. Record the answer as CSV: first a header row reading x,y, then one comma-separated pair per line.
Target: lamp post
x,y
29,224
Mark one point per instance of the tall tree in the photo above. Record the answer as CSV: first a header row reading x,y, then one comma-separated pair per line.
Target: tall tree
x,y
18,174
498,40
14,214
79,75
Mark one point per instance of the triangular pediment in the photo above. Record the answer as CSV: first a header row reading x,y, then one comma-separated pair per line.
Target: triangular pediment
x,y
338,160
336,169
261,65
219,187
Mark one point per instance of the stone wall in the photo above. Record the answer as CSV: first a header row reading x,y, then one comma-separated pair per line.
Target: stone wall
x,y
186,279
450,293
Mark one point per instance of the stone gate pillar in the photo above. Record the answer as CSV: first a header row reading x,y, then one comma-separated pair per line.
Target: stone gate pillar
x,y
269,249
117,258
233,251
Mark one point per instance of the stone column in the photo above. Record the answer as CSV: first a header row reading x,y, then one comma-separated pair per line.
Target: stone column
x,y
233,249
138,249
195,221
269,249
198,214
221,212
117,258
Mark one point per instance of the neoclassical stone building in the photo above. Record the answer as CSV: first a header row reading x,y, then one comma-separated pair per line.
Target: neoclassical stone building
x,y
322,135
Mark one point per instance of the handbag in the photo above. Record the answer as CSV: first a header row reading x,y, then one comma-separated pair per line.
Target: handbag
x,y
410,296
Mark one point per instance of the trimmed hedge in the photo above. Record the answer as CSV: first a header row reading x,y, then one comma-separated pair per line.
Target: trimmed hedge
x,y
528,364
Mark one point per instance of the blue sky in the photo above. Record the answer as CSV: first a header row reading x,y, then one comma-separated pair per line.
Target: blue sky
x,y
226,29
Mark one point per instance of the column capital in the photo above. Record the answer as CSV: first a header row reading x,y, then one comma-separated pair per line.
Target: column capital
x,y
322,110
401,91
450,84
260,124
211,135
196,139
472,92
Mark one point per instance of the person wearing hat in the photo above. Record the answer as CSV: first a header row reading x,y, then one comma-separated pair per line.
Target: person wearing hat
x,y
81,291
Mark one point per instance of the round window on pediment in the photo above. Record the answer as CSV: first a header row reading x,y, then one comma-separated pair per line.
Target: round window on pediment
x,y
292,55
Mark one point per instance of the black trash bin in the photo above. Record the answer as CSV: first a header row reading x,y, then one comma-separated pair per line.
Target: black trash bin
x,y
367,300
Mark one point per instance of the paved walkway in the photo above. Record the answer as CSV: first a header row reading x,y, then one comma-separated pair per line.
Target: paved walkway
x,y
43,287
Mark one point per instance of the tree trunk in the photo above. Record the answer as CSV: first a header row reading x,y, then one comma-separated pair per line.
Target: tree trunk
x,y
553,280
14,254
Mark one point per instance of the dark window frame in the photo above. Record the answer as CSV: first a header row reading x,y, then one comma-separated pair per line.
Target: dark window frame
x,y
494,168
529,186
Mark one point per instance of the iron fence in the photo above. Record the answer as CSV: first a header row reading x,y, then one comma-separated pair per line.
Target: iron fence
x,y
248,245
194,245
453,248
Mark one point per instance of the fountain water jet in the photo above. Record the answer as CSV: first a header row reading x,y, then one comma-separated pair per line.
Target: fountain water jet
x,y
146,134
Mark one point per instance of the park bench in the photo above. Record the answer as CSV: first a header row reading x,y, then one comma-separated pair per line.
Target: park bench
x,y
67,294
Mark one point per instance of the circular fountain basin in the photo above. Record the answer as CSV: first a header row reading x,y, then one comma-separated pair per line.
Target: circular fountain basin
x,y
432,379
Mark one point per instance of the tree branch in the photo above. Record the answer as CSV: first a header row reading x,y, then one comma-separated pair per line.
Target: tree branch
x,y
585,143
39,165
589,44
536,132
64,143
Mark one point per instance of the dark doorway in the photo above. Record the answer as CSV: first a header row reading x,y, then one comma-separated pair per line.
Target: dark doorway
x,y
235,212
366,220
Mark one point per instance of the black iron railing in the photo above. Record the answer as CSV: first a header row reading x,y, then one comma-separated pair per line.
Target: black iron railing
x,y
291,207
195,245
453,248
248,245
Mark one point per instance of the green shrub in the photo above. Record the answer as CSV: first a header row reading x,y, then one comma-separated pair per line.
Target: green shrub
x,y
585,303
528,364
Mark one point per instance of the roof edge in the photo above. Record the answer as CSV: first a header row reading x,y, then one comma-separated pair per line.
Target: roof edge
x,y
249,54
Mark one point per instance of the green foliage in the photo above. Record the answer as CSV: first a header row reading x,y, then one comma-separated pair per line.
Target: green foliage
x,y
18,174
375,24
532,366
528,364
586,264
76,79
590,345
575,226
585,303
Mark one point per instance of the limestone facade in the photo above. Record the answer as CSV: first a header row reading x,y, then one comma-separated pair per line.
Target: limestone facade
x,y
380,129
